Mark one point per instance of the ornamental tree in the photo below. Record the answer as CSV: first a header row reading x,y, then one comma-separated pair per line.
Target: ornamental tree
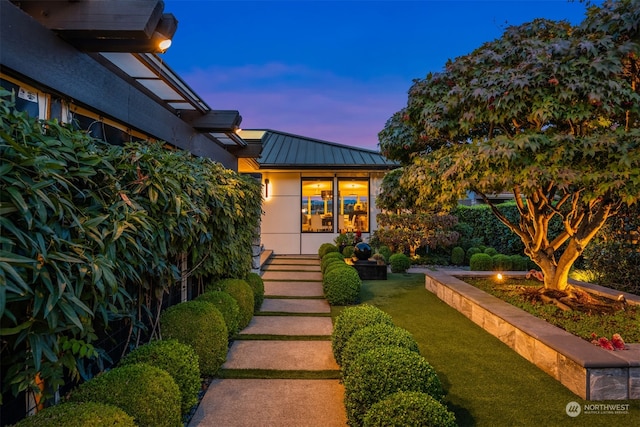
x,y
403,225
549,112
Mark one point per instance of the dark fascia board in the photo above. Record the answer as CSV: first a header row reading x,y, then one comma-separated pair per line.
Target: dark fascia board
x,y
106,26
214,121
97,19
251,150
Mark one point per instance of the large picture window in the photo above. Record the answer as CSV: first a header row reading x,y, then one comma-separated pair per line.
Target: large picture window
x,y
317,205
353,205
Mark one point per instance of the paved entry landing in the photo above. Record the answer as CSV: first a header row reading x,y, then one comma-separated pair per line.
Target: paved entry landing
x,y
288,337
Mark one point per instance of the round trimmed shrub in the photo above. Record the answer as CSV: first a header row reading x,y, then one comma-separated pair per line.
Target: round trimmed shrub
x,y
380,372
72,414
351,320
501,262
227,306
336,264
471,252
409,408
200,325
481,262
400,263
179,360
490,251
325,248
145,392
385,252
257,286
348,251
457,256
342,286
243,294
518,263
378,335
329,258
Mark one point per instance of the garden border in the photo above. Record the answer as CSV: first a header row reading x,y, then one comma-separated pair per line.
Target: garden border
x,y
589,371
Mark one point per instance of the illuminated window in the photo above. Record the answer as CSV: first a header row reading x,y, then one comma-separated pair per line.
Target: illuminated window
x,y
317,205
353,205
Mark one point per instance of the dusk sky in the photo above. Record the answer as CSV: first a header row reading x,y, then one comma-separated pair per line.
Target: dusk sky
x,y
331,70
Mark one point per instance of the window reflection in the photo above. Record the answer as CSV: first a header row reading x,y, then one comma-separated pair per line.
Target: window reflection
x,y
353,205
317,205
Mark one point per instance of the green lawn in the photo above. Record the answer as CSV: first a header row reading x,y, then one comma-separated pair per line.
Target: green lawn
x,y
488,384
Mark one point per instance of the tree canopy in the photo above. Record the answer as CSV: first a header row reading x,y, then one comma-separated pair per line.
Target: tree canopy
x,y
549,112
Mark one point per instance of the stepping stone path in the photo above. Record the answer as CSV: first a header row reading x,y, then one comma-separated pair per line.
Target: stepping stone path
x,y
289,337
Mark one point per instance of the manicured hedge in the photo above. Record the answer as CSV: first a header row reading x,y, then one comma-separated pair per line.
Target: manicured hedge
x,y
380,372
501,262
145,392
409,408
325,248
329,258
378,335
457,256
241,291
342,286
481,262
227,306
71,414
200,325
400,263
257,286
179,360
352,319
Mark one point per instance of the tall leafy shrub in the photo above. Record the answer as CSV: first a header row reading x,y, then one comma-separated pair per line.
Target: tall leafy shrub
x,y
92,232
58,273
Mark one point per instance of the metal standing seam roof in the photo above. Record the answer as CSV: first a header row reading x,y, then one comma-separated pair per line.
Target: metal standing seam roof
x,y
281,150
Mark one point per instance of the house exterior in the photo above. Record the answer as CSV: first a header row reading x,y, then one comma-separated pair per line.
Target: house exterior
x,y
313,189
95,64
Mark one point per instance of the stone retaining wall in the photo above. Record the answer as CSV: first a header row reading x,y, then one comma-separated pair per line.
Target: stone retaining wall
x,y
587,370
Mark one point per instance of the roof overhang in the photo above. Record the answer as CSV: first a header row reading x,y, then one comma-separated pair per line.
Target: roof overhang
x,y
106,26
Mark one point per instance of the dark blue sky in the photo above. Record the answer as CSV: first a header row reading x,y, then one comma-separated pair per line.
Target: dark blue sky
x,y
332,70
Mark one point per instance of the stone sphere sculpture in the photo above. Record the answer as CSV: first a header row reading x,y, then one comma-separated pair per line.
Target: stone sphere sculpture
x,y
362,251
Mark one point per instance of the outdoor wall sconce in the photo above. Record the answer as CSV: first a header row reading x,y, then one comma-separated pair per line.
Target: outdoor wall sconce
x,y
266,188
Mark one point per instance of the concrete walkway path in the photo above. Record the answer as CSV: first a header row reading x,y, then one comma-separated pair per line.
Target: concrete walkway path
x,y
289,339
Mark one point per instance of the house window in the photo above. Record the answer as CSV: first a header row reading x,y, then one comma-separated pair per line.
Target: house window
x,y
317,205
353,205
27,99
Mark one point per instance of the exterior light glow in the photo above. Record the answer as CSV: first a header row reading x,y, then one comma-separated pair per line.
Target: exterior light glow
x,y
164,45
499,276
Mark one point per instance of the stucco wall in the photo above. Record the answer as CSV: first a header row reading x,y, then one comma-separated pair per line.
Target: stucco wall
x,y
281,221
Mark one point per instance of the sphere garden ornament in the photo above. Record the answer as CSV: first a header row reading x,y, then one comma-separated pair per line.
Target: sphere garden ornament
x,y
362,251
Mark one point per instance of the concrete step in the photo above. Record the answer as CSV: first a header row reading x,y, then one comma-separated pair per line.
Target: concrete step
x,y
281,355
292,275
291,305
261,402
289,325
289,267
292,289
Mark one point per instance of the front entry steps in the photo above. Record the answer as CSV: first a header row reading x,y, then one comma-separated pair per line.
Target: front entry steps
x,y
280,370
